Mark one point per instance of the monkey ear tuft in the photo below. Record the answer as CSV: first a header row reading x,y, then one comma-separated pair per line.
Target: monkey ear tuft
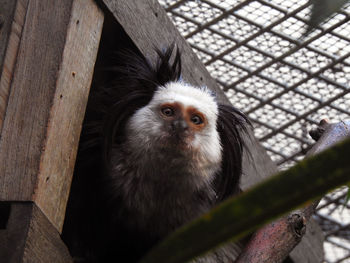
x,y
232,124
166,70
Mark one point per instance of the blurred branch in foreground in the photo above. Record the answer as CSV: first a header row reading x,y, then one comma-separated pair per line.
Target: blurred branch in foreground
x,y
309,180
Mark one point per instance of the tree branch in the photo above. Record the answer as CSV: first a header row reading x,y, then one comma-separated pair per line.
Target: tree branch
x,y
233,219
275,241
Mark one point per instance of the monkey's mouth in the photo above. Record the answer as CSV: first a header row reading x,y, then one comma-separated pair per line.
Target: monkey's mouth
x,y
177,140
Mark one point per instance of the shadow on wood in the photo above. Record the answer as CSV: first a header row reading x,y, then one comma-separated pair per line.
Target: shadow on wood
x,y
27,235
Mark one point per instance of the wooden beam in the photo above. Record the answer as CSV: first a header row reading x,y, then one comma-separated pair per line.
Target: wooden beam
x,y
12,16
29,236
46,104
148,25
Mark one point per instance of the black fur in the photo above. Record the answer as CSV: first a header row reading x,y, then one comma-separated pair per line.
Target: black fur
x,y
232,123
111,105
91,230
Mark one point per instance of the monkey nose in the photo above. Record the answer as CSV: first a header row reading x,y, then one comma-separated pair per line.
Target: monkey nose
x,y
179,125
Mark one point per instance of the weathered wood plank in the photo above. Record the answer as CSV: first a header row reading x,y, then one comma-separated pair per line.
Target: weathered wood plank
x,y
43,243
67,113
32,90
13,235
7,13
30,237
148,25
12,16
47,101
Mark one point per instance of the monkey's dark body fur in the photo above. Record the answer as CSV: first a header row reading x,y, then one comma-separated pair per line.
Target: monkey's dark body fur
x,y
128,194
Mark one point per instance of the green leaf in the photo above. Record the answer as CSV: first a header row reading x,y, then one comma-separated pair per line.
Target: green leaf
x,y
233,219
323,9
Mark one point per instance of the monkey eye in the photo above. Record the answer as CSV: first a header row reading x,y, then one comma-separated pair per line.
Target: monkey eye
x,y
196,119
167,111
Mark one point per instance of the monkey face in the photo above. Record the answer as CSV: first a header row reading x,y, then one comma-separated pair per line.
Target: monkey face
x,y
181,122
181,118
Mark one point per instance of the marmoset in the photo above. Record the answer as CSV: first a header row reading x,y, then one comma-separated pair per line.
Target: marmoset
x,y
155,153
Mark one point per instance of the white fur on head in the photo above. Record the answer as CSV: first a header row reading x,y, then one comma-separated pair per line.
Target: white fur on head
x,y
147,126
199,98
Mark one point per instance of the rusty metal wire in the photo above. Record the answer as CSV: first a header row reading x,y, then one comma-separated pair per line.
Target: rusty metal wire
x,y
284,82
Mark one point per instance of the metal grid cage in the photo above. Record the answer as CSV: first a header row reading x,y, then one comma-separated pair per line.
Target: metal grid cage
x,y
285,82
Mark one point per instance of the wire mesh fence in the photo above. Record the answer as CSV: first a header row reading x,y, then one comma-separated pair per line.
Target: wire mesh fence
x,y
284,81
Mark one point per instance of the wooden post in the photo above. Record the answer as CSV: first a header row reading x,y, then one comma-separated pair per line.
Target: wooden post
x,y
12,16
29,236
47,55
148,26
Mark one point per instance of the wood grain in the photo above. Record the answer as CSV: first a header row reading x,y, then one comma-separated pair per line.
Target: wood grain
x,y
43,243
12,16
13,237
68,109
7,13
47,101
32,91
30,237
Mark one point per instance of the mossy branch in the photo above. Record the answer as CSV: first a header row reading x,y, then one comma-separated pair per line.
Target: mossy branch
x,y
236,217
